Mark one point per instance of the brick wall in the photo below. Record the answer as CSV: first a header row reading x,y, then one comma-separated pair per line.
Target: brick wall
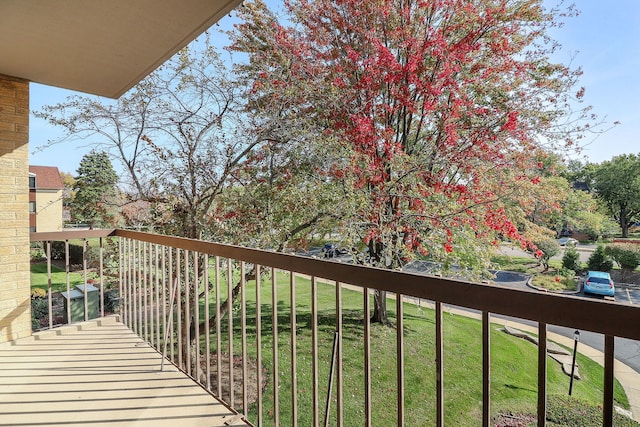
x,y
15,305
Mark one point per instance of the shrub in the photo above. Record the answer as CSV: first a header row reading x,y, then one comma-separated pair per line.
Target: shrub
x,y
568,273
39,311
626,255
58,252
548,247
571,259
111,301
38,293
599,260
36,252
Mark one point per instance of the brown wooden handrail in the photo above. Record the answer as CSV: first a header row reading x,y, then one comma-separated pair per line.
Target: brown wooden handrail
x,y
606,317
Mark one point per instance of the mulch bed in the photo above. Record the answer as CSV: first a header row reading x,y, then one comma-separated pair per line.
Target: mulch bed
x,y
514,420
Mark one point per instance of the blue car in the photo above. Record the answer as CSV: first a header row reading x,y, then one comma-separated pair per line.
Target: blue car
x,y
598,282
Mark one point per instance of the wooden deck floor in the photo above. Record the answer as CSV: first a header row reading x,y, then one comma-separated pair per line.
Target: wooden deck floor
x,y
99,373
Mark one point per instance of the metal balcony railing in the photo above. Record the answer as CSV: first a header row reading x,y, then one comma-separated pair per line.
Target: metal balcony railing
x,y
174,293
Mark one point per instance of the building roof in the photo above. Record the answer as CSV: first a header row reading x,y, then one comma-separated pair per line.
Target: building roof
x,y
581,185
47,177
99,47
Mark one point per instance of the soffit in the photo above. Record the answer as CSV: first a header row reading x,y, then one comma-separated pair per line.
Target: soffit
x,y
98,46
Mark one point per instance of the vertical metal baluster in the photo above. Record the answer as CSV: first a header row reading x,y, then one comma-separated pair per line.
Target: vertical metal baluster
x,y
130,316
125,300
259,344
121,267
179,309
172,330
84,267
196,315
101,278
49,283
163,296
207,332
294,353
542,374
400,357
486,369
314,350
607,404
218,332
134,285
152,293
67,269
139,266
145,291
276,371
243,333
339,402
367,359
439,367
158,273
187,312
230,330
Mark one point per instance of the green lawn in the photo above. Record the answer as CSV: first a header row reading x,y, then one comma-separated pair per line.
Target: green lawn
x,y
39,277
514,363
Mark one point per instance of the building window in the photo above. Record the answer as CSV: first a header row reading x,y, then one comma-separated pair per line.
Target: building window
x,y
32,182
32,207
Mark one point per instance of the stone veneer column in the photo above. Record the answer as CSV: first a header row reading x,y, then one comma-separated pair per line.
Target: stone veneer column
x,y
15,293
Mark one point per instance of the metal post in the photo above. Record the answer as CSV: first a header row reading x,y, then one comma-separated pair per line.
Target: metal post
x,y
327,407
576,338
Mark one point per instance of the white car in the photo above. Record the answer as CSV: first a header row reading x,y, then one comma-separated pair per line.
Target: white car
x,y
568,241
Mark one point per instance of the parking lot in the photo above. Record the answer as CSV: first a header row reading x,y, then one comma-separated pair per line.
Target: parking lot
x,y
626,294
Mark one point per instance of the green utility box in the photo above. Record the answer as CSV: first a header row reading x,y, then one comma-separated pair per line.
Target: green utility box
x,y
75,297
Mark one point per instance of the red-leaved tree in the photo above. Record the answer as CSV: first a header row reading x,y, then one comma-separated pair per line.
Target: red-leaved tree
x,y
441,110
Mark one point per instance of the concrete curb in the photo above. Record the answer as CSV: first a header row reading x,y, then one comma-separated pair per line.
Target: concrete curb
x,y
530,285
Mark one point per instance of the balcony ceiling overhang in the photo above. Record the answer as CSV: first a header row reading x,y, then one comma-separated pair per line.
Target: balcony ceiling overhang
x,y
98,46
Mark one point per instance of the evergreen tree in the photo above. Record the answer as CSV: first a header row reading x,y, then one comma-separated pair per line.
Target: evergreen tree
x,y
599,260
571,259
96,189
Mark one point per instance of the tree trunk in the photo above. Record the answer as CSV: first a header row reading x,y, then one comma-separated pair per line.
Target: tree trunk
x,y
379,297
380,308
224,308
624,223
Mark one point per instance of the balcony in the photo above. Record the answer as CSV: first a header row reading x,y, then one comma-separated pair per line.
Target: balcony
x,y
99,372
168,287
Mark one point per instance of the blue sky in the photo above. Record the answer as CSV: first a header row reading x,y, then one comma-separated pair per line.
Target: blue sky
x,y
604,40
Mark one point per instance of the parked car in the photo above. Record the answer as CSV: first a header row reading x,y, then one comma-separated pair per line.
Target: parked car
x,y
568,241
330,250
598,282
